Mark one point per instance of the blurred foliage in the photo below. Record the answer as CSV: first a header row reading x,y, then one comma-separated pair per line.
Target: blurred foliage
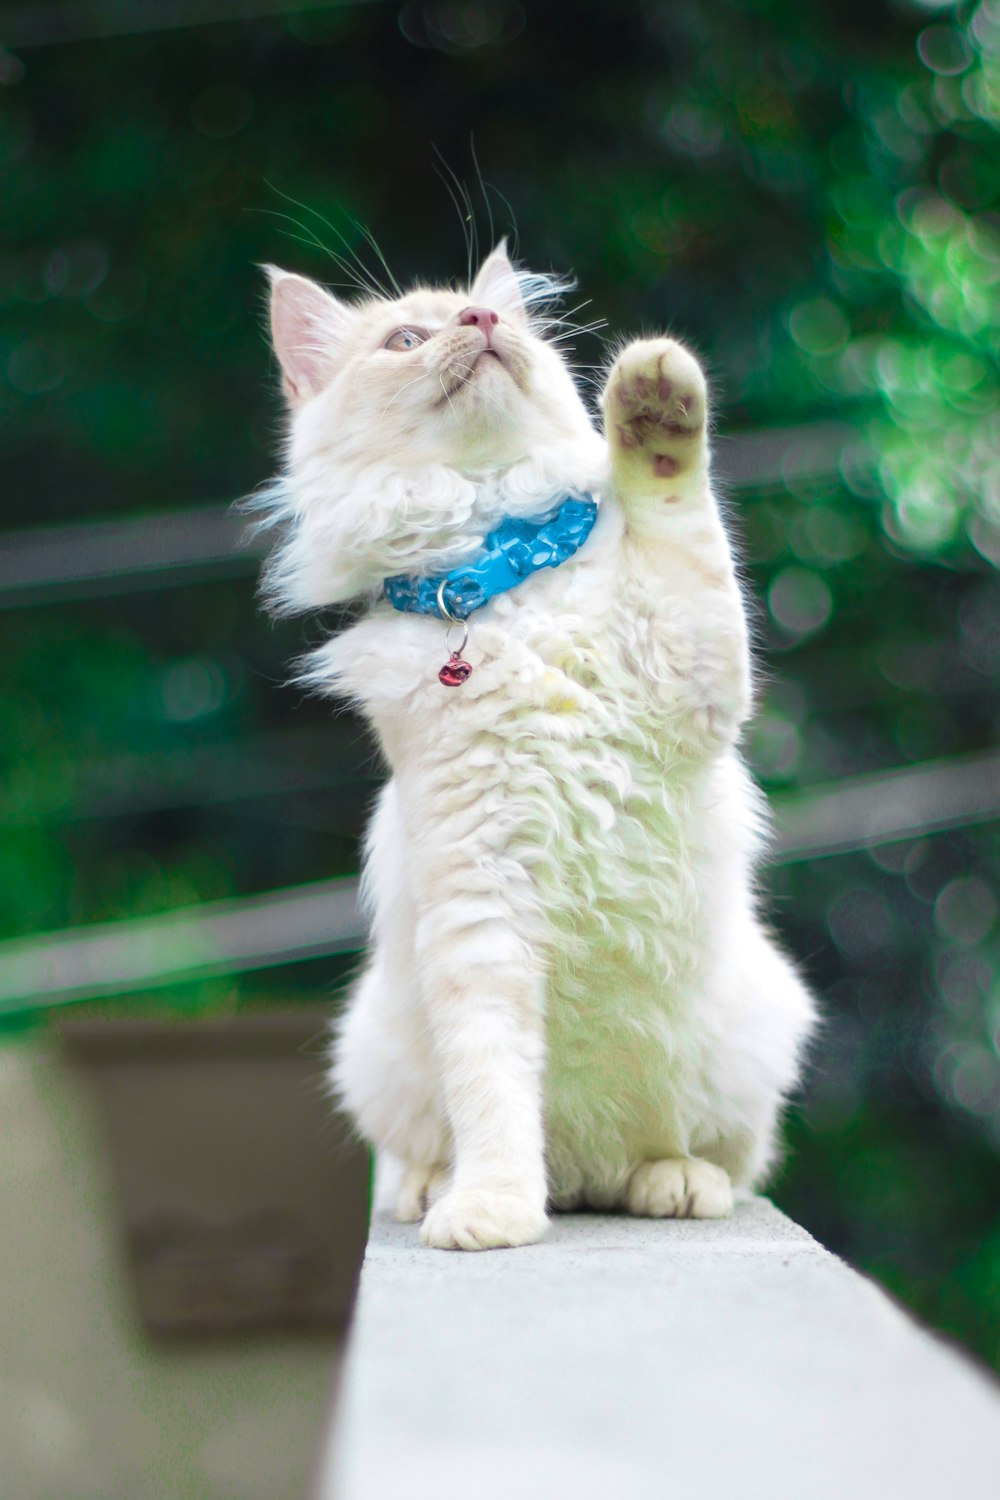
x,y
811,195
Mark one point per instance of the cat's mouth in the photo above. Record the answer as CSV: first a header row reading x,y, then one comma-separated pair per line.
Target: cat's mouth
x,y
486,356
464,372
509,355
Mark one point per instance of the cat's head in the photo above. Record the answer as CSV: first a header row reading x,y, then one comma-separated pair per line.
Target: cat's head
x,y
435,376
415,422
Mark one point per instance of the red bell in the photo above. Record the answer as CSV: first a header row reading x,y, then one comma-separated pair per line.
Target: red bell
x,y
455,671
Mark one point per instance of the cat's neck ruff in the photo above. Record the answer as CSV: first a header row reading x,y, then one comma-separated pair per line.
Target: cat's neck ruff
x,y
510,552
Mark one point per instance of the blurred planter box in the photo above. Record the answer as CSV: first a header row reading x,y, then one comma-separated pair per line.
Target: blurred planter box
x,y
244,1198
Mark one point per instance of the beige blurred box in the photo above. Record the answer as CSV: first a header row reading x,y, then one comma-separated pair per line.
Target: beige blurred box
x,y
244,1198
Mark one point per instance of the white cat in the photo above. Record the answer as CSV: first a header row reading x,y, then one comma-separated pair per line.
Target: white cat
x,y
571,998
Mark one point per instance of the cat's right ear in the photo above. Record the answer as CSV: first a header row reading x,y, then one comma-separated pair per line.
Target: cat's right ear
x,y
308,331
497,285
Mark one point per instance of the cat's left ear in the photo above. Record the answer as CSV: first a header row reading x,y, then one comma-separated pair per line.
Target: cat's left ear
x,y
309,329
497,285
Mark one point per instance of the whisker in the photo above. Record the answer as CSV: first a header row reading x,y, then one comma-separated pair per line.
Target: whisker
x,y
370,284
352,282
460,199
415,381
370,238
447,393
307,236
482,189
483,185
575,332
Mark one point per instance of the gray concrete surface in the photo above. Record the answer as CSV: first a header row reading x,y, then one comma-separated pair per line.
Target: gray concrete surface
x,y
625,1358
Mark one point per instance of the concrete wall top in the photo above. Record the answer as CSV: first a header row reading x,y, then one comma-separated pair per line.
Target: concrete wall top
x,y
625,1357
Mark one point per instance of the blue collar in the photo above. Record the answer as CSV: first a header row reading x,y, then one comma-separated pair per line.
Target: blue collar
x,y
511,552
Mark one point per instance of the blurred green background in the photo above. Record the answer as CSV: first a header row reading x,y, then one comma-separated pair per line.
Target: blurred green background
x,y
810,194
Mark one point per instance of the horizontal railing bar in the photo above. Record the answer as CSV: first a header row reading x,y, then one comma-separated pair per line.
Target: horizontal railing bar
x,y
886,806
47,23
285,926
282,763
167,548
766,456
275,763
91,558
249,933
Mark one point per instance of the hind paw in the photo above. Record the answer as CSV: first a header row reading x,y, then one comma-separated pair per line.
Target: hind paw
x,y
420,1187
680,1189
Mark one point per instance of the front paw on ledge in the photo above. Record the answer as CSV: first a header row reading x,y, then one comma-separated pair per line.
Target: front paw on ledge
x,y
482,1219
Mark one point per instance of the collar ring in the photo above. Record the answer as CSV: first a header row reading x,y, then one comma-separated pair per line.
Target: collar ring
x,y
446,614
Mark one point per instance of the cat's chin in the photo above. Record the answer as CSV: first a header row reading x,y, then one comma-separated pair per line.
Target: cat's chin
x,y
499,367
488,405
490,366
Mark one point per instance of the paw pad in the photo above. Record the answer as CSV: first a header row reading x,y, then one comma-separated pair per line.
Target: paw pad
x,y
655,401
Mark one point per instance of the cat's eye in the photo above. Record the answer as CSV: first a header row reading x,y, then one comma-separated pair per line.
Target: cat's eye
x,y
406,338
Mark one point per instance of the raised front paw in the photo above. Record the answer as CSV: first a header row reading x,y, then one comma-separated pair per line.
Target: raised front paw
x,y
482,1219
655,406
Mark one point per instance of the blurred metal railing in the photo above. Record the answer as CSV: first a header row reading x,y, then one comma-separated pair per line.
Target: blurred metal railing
x,y
113,958
317,920
255,767
88,559
860,812
91,558
46,23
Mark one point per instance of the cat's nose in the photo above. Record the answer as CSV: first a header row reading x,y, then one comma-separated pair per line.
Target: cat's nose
x,y
483,318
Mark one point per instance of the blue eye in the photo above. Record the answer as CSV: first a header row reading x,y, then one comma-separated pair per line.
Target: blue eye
x,y
405,339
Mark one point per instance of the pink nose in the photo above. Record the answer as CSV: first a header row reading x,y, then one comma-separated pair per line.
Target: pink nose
x,y
483,318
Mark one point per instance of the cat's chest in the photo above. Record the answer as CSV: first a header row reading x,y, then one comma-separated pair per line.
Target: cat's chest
x,y
572,656
564,689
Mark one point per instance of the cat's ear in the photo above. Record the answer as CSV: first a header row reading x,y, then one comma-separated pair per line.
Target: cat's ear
x,y
309,328
497,285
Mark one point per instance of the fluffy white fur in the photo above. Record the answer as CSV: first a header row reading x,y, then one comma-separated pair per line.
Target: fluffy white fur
x,y
571,998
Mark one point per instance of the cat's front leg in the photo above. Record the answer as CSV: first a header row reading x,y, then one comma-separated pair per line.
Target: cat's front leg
x,y
656,418
482,1000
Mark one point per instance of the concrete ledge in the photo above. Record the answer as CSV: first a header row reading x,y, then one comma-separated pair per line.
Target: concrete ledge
x,y
624,1358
